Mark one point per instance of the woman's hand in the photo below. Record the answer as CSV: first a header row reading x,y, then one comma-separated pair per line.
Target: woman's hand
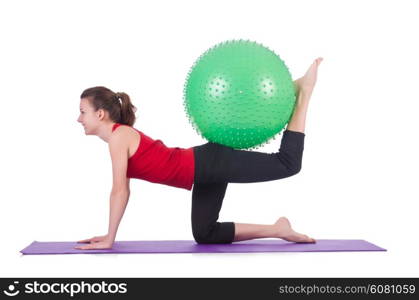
x,y
306,83
97,242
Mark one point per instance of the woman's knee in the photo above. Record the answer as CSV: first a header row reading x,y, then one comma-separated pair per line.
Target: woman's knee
x,y
201,237
296,168
292,163
218,233
200,233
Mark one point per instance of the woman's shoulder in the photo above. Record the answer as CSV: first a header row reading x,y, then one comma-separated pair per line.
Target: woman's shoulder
x,y
126,130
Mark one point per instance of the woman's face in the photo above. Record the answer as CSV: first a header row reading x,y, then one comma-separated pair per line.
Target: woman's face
x,y
88,117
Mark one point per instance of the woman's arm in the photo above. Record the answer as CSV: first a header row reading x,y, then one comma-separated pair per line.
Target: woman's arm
x,y
118,203
118,147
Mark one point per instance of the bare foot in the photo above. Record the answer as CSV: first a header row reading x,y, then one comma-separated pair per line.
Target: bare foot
x,y
308,81
285,232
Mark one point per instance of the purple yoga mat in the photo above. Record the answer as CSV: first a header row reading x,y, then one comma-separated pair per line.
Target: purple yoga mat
x,y
188,246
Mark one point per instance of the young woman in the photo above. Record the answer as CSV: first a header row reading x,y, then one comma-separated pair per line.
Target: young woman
x,y
207,168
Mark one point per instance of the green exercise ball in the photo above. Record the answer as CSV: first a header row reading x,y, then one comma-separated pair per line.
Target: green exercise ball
x,y
239,94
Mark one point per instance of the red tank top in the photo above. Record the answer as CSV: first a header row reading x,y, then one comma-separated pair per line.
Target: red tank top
x,y
155,162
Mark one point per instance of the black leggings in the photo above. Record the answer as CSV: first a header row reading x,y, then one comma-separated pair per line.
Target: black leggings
x,y
217,165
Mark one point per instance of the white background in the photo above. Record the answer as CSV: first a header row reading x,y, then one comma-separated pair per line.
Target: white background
x,y
359,175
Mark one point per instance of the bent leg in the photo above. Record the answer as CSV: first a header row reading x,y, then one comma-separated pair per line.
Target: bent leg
x,y
207,199
252,166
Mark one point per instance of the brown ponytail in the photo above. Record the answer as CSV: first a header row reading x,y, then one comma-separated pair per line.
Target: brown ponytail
x,y
118,105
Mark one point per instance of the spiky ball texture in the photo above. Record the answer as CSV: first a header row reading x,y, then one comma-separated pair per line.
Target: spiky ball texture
x,y
239,94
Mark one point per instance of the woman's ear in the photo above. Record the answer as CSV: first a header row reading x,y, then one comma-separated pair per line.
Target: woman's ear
x,y
101,114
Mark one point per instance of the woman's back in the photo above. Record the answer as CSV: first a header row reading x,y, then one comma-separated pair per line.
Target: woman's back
x,y
153,161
